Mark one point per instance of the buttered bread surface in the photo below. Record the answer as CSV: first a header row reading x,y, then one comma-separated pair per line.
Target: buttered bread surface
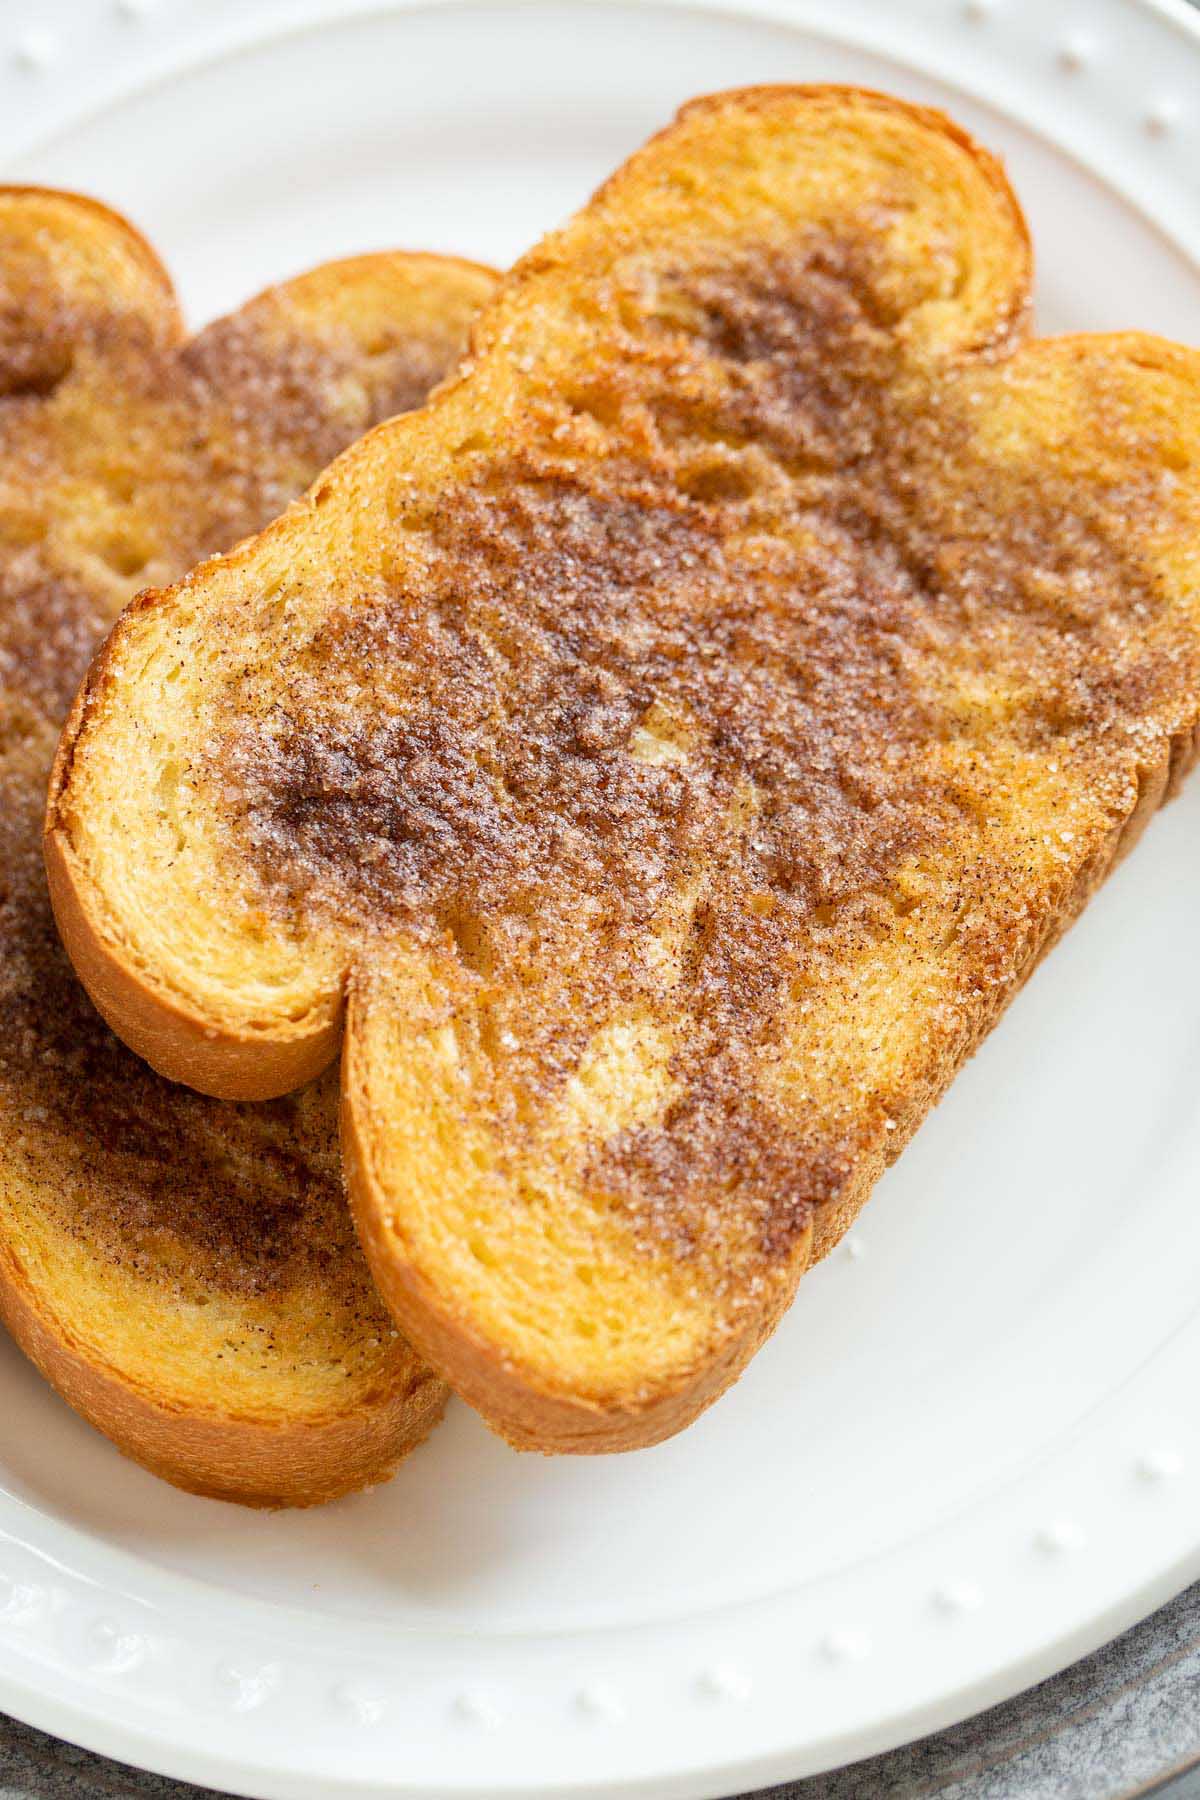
x,y
663,755
184,1270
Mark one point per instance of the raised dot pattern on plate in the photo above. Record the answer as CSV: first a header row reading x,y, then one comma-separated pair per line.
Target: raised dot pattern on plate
x,y
35,49
723,1681
113,1650
365,1705
958,1597
248,1685
1076,52
1059,1536
473,1707
596,1700
845,1646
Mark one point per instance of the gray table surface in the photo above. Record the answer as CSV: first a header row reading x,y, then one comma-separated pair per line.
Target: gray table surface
x,y
1122,1723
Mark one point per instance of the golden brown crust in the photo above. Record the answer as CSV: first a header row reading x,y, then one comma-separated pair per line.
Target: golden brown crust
x,y
160,1016
100,267
110,226
689,731
517,1402
174,1039
300,1462
834,97
184,1273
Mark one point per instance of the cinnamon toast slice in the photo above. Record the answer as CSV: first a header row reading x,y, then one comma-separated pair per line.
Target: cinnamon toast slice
x,y
663,755
184,1271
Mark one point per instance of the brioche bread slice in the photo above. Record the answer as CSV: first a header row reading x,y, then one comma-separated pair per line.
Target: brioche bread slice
x,y
664,754
184,1271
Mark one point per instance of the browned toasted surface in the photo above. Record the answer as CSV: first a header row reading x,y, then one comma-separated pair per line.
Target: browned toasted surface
x,y
744,671
132,1209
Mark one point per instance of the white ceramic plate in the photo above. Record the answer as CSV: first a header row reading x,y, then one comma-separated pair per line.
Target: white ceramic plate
x,y
972,1451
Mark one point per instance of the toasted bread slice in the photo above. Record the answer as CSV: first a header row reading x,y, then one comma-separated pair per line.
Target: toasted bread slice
x,y
668,749
184,1271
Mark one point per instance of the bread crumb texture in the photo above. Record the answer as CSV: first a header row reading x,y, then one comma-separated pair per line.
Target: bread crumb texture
x,y
196,1254
685,734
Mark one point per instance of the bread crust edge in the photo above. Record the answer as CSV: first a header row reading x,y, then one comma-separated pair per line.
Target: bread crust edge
x,y
177,1041
253,1461
97,212
521,1405
232,1063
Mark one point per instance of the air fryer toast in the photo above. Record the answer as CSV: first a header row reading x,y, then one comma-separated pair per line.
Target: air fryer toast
x,y
664,754
183,1270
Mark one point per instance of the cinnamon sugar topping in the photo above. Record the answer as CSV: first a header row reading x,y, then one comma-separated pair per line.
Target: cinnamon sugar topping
x,y
121,462
834,578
